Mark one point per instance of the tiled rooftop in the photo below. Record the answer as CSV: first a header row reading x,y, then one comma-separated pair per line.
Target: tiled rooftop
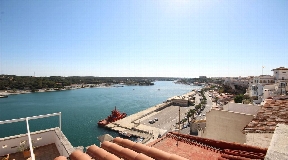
x,y
280,68
193,147
46,152
274,111
189,147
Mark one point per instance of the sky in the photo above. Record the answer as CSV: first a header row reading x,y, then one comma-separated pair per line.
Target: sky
x,y
143,38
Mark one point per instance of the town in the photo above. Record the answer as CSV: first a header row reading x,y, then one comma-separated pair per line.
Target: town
x,y
229,118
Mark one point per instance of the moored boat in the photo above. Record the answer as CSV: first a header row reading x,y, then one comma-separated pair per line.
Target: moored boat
x,y
3,96
115,116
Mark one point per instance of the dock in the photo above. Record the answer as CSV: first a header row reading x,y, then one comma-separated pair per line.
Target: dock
x,y
132,124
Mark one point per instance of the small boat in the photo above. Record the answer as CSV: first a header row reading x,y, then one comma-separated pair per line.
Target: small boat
x,y
3,96
115,116
125,134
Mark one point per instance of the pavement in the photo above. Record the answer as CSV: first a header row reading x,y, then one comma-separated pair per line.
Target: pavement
x,y
207,108
138,123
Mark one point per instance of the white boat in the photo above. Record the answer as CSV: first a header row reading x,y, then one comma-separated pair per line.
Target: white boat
x,y
3,96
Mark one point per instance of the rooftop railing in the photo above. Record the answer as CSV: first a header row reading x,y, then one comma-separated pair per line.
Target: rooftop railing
x,y
28,129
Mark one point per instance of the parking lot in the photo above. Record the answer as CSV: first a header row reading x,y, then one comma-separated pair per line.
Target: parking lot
x,y
167,117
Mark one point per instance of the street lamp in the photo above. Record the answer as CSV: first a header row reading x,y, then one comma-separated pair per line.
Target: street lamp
x,y
178,127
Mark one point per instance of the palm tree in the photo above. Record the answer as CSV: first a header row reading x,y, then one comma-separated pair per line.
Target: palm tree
x,y
190,113
216,100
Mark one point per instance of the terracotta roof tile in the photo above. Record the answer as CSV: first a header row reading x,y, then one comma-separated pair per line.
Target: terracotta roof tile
x,y
79,155
271,113
189,147
61,158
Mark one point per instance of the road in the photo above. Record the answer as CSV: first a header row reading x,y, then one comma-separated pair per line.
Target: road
x,y
207,108
167,117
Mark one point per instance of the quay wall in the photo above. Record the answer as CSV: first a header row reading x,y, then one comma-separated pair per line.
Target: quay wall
x,y
131,125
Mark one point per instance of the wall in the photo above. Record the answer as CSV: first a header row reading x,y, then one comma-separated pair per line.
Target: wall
x,y
12,143
279,145
259,139
226,125
198,125
242,108
41,138
278,74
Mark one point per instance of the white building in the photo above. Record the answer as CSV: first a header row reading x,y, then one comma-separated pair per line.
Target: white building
x,y
236,81
264,86
280,73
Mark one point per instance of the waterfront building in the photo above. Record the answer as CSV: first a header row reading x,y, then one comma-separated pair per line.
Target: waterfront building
x,y
264,86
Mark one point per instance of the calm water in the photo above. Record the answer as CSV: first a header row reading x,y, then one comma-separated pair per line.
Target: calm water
x,y
82,108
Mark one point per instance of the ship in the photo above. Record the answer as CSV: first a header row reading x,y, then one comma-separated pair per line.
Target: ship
x,y
115,116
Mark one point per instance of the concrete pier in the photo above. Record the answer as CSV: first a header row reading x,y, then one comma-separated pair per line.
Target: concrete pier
x,y
137,124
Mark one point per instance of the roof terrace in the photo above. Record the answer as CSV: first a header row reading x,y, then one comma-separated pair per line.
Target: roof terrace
x,y
43,143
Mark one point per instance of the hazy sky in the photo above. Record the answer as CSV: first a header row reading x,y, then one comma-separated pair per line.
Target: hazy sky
x,y
178,38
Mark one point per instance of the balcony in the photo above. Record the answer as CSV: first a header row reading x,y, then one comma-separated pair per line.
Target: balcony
x,y
47,152
48,143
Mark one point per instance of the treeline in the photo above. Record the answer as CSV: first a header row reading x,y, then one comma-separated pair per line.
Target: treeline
x,y
199,80
12,82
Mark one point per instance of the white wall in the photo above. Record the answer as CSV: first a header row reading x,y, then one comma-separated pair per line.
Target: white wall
x,y
44,137
226,125
242,108
279,74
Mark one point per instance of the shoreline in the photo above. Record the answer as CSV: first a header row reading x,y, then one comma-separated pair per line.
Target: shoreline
x,y
131,124
17,92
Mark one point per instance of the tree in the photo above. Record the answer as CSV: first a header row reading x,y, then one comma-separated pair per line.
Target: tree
x,y
190,113
216,100
238,98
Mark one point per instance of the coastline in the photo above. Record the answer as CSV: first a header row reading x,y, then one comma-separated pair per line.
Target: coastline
x,y
17,92
131,124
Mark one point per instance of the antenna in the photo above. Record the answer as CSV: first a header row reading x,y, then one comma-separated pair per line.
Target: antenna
x,y
262,69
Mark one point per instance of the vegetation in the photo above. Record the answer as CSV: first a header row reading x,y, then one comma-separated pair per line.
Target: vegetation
x,y
241,98
190,113
12,82
189,81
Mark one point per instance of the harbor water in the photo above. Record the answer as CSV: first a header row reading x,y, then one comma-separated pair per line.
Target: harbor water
x,y
82,108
